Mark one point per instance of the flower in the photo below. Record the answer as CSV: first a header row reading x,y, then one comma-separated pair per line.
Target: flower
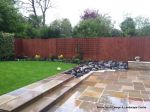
x,y
60,56
37,56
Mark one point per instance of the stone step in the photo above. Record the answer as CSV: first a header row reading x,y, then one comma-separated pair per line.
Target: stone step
x,y
17,99
50,98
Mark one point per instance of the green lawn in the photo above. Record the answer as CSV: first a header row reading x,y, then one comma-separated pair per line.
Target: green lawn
x,y
16,74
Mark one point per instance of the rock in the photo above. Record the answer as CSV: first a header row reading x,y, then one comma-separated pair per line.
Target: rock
x,y
94,69
87,70
97,65
73,72
90,63
78,74
68,72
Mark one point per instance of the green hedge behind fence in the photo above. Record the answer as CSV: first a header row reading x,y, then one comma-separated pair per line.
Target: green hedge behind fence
x,y
6,46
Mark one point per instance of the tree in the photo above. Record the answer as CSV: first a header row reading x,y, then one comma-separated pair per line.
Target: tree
x,y
145,31
33,5
142,26
116,33
35,21
66,28
55,29
93,27
6,46
128,27
60,28
10,20
90,14
44,5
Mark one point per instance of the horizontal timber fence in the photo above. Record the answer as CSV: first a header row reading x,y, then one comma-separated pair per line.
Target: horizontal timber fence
x,y
92,48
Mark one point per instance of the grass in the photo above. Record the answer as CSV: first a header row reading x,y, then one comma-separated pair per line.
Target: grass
x,y
16,74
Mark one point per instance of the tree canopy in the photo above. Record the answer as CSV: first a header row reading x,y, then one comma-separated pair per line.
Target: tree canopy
x,y
90,14
10,20
61,28
93,24
142,26
128,27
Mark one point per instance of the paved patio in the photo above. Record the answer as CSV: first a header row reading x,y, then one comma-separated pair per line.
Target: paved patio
x,y
119,91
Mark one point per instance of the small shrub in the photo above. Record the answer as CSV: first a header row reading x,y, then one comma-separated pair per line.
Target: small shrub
x,y
53,58
67,60
76,60
6,46
80,56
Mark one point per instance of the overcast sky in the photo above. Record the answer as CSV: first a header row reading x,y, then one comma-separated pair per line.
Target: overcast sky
x,y
117,9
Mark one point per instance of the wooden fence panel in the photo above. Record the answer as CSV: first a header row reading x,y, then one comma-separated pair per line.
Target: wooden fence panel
x,y
18,47
43,47
92,48
146,51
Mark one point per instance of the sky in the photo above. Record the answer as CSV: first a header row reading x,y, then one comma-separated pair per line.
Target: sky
x,y
116,9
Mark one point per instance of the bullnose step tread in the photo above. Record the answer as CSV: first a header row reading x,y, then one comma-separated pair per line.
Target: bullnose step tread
x,y
20,97
50,98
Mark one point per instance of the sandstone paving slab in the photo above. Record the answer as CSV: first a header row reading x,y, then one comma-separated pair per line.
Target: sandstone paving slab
x,y
47,86
71,104
88,83
70,99
55,94
27,93
113,104
34,85
119,89
60,109
18,92
93,79
40,104
145,92
73,82
91,93
112,108
115,87
14,103
123,83
6,98
88,98
44,80
135,94
147,104
126,88
100,85
89,107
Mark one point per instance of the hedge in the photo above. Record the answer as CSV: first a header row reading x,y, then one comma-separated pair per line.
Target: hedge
x,y
6,46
